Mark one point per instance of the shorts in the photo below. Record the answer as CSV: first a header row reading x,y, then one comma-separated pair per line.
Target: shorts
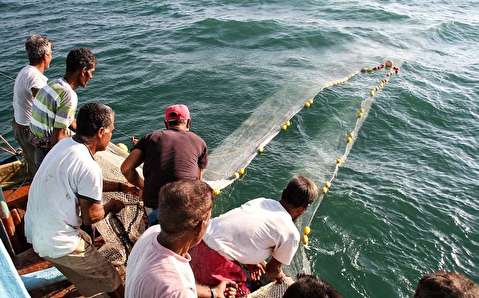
x,y
89,271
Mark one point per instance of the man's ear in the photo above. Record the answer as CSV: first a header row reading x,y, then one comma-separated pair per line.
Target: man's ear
x,y
100,132
188,123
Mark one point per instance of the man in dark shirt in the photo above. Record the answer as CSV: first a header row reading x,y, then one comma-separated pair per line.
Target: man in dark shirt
x,y
172,154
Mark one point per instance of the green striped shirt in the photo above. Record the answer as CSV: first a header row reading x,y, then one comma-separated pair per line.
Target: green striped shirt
x,y
53,107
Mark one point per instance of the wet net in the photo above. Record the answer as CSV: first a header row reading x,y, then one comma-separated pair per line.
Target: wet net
x,y
330,147
120,231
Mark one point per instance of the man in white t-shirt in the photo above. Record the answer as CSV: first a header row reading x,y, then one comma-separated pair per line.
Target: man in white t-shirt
x,y
54,107
65,193
29,80
260,229
158,265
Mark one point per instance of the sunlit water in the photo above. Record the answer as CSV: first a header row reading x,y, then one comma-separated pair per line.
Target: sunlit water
x,y
404,204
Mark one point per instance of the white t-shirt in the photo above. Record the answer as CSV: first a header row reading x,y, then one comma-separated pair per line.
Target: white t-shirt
x,y
155,271
29,77
253,232
53,217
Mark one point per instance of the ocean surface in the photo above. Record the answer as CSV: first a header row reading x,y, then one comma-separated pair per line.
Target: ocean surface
x,y
406,201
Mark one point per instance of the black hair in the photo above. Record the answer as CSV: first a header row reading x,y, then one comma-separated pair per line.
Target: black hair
x,y
300,192
37,46
80,58
309,286
92,117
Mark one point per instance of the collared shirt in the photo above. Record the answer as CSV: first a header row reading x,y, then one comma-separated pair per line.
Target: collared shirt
x,y
253,232
155,271
52,219
53,107
29,77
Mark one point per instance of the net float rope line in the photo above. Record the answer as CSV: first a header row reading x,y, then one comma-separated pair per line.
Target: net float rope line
x,y
361,114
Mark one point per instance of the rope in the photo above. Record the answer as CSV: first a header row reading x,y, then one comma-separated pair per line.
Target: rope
x,y
308,103
10,148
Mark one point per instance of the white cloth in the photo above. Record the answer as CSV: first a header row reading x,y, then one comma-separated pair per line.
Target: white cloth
x,y
52,220
155,271
29,77
253,232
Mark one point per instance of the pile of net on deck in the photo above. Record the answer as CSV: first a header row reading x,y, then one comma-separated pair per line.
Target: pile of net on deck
x,y
340,110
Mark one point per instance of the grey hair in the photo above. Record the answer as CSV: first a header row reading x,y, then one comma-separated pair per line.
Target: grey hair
x,y
37,46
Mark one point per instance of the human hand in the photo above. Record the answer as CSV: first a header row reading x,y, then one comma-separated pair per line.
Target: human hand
x,y
256,271
225,289
129,188
114,206
134,140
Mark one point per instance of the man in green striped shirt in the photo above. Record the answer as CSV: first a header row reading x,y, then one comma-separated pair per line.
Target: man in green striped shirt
x,y
54,107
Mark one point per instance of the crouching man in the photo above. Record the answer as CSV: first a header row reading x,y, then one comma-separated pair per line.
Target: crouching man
x,y
65,193
159,264
250,234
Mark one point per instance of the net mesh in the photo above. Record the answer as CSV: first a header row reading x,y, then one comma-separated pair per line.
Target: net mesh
x,y
330,145
120,231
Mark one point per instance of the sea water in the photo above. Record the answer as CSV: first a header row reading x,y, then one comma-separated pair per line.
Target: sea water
x,y
406,201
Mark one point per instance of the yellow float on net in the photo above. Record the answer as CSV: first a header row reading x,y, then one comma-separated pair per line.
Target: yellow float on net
x,y
284,127
123,147
307,104
339,161
306,230
327,184
373,92
260,149
349,140
242,171
311,101
288,123
216,192
324,189
305,240
237,175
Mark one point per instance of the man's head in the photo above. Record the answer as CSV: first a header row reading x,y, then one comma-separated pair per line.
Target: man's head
x,y
309,286
185,209
177,116
81,64
95,121
39,50
444,284
298,195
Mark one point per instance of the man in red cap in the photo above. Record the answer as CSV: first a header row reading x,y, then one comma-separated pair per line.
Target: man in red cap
x,y
170,154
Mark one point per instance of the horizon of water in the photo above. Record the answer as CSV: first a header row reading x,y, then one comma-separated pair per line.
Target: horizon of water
x,y
404,204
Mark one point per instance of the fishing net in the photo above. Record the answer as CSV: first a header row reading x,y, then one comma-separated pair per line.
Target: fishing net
x,y
332,140
120,231
330,145
273,289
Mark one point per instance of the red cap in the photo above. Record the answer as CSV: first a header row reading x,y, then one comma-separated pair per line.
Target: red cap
x,y
177,112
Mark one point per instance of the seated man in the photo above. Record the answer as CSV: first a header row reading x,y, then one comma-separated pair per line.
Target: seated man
x,y
444,284
158,265
65,193
257,230
309,286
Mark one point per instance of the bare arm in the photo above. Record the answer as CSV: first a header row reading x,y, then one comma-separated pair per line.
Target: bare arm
x,y
58,134
34,91
224,287
117,186
73,126
93,211
274,270
128,168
